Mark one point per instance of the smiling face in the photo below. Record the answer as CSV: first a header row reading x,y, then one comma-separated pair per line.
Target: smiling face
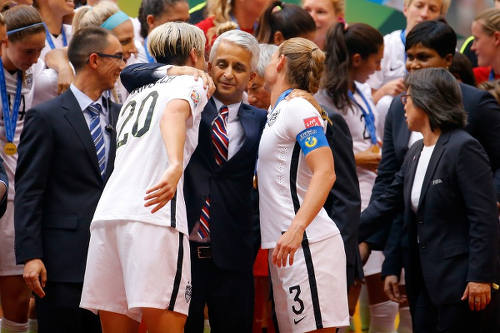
x,y
231,71
368,66
125,34
22,54
419,56
324,16
178,12
109,68
485,46
62,7
421,10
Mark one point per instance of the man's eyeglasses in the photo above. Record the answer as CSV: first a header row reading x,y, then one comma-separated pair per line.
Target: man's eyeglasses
x,y
404,98
115,56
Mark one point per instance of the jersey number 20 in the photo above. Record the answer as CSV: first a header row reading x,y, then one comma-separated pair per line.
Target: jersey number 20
x,y
131,107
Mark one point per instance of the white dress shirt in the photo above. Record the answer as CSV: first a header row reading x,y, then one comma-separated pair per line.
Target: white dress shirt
x,y
84,101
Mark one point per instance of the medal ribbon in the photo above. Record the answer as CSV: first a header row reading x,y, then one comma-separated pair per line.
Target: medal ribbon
x,y
283,95
48,37
151,60
492,75
10,121
368,116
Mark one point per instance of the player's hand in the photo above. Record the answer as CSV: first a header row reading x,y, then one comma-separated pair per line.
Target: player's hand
x,y
479,295
64,80
35,276
159,195
288,243
393,88
391,288
208,83
369,159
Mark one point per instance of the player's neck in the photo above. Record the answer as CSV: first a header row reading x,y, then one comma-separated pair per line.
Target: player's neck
x,y
88,85
7,64
278,89
54,21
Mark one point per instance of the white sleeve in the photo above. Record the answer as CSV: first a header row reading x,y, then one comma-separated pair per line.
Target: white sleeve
x,y
299,116
191,91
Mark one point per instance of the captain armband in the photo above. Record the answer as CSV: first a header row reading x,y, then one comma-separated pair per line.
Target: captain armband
x,y
311,139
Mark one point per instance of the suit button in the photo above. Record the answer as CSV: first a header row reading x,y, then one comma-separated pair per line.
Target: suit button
x,y
422,246
420,222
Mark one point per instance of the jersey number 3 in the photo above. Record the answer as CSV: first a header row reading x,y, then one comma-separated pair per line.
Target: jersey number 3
x,y
122,137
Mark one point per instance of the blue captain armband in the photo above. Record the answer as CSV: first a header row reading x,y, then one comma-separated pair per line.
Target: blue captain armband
x,y
312,138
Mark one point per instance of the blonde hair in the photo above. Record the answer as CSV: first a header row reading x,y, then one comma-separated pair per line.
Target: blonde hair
x,y
445,5
493,87
173,41
87,16
490,20
305,63
220,10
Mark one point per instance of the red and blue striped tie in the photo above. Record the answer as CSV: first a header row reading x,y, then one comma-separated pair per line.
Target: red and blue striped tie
x,y
220,140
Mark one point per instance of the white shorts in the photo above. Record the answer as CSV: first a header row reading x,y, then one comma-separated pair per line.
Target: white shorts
x,y
374,263
312,293
134,265
7,251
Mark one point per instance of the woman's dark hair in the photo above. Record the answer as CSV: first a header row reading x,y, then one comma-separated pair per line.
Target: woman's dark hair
x,y
461,68
289,19
438,94
155,8
341,45
435,34
23,16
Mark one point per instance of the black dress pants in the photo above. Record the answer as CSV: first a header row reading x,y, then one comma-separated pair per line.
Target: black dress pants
x,y
229,296
59,311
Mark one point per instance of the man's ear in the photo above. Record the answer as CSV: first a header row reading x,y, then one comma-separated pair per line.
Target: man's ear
x,y
449,59
150,20
93,60
252,76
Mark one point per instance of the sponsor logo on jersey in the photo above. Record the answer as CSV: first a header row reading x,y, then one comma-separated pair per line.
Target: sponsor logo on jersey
x,y
311,142
272,119
188,293
311,122
195,97
295,321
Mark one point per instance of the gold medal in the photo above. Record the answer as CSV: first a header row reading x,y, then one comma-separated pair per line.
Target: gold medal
x,y
10,148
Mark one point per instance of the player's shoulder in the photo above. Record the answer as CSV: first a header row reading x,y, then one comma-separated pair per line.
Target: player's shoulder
x,y
300,105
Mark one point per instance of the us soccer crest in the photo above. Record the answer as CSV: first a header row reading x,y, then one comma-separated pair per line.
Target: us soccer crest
x,y
188,293
195,97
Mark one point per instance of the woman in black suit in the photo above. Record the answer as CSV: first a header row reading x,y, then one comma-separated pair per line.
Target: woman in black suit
x,y
445,188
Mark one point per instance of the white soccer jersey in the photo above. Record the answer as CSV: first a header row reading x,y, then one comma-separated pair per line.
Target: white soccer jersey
x,y
58,41
141,156
361,140
393,64
283,174
27,91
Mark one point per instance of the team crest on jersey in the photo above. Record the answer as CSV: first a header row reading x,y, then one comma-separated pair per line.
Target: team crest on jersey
x,y
188,293
272,118
311,122
28,80
195,97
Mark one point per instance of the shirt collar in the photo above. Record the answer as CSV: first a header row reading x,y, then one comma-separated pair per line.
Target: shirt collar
x,y
83,100
233,109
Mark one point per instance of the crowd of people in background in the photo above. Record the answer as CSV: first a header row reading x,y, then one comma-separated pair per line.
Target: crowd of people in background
x,y
247,166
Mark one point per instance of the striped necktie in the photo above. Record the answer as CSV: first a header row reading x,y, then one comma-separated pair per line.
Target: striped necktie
x,y
97,135
220,139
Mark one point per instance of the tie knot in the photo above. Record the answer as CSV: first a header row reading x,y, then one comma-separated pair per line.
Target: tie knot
x,y
224,111
94,109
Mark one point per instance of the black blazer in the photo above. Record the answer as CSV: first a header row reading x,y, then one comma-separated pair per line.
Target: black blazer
x,y
343,203
453,236
58,185
234,235
483,124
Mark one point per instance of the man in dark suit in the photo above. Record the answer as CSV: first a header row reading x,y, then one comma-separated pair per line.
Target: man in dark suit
x,y
224,239
66,154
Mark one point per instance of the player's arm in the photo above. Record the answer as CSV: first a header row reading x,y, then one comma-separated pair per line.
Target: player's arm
x,y
57,59
173,131
319,159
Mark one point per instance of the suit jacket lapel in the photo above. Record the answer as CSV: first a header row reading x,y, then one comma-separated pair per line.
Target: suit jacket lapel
x,y
433,163
74,116
411,175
